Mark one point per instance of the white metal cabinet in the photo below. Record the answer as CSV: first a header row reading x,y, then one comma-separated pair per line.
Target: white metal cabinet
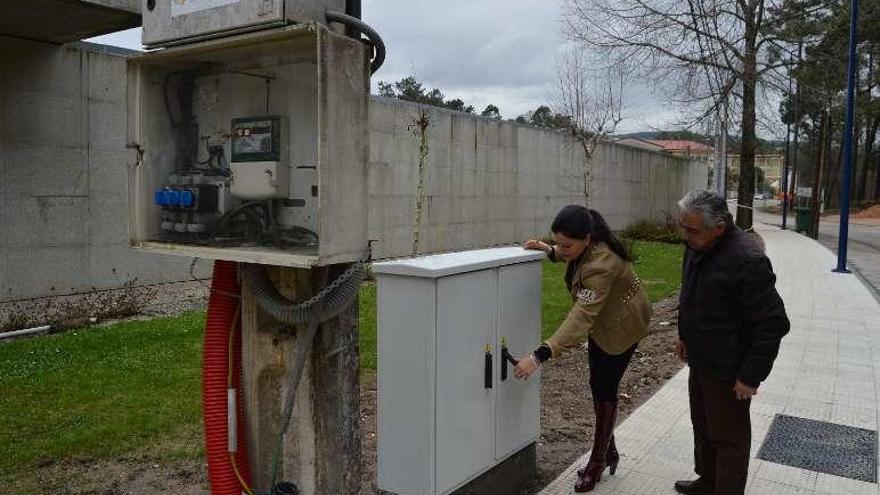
x,y
440,426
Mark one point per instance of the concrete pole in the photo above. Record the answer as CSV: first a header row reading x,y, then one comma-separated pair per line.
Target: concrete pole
x,y
784,185
718,177
321,451
723,173
794,180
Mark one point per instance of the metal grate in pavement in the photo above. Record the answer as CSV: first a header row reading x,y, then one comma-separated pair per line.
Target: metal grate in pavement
x,y
823,447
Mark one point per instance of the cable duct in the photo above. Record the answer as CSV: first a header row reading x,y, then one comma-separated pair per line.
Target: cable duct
x,y
336,297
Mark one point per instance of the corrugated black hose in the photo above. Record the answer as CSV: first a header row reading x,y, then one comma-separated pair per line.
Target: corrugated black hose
x,y
362,27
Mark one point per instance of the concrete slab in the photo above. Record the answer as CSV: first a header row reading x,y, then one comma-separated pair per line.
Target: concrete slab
x,y
62,21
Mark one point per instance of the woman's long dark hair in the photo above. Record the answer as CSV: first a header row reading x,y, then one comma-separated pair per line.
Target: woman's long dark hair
x,y
577,222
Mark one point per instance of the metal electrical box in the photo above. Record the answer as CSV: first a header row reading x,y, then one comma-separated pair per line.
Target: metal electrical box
x,y
168,22
449,406
251,148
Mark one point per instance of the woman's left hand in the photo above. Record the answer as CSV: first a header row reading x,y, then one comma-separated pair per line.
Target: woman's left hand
x,y
525,367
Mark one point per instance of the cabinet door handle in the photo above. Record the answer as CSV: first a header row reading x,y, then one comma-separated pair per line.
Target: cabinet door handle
x,y
506,357
487,374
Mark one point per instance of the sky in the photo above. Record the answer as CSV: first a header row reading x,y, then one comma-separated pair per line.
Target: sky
x,y
492,51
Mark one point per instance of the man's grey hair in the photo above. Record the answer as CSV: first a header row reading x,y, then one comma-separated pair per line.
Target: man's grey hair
x,y
711,206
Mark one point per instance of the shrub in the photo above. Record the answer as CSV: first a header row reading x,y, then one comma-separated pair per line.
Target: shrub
x,y
646,230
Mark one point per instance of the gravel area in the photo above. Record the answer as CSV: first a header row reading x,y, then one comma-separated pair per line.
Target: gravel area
x,y
100,306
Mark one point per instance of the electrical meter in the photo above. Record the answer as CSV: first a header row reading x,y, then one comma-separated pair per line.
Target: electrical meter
x,y
259,165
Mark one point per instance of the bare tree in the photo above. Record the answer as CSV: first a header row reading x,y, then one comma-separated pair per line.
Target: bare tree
x,y
591,102
714,54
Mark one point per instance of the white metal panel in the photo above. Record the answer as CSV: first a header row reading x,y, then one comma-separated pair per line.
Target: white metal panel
x,y
172,22
306,257
406,318
518,402
444,265
465,437
343,151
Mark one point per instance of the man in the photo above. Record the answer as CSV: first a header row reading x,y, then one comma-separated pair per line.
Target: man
x,y
731,320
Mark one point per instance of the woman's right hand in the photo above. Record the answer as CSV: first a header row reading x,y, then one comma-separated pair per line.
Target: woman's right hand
x,y
524,368
536,245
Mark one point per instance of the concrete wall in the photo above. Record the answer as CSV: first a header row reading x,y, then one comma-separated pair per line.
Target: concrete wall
x,y
63,203
63,197
489,182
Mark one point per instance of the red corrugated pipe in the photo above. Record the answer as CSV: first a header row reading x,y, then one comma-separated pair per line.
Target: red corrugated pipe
x,y
221,371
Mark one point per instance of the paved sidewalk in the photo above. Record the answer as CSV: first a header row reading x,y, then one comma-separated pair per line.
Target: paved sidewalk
x,y
863,252
828,369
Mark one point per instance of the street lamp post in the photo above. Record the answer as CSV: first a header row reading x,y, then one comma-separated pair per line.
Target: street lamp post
x,y
846,183
794,178
785,178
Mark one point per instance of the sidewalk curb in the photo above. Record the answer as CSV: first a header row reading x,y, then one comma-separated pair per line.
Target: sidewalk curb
x,y
875,291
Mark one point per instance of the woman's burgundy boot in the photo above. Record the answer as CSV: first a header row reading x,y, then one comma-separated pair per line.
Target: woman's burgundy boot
x,y
606,413
612,457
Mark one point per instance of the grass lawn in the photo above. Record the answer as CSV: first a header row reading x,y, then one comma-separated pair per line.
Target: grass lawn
x,y
101,392
108,391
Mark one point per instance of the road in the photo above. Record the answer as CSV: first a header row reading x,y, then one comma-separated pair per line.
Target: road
x,y
863,250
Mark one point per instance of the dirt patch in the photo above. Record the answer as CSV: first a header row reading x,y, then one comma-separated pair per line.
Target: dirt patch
x,y
872,212
566,406
866,216
853,220
137,475
172,464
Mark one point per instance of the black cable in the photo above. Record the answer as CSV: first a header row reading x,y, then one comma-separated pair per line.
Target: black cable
x,y
174,123
184,125
293,236
236,210
362,27
283,236
353,8
260,223
305,346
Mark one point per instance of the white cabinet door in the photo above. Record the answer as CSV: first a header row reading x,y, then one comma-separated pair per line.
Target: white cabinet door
x,y
519,323
405,400
466,317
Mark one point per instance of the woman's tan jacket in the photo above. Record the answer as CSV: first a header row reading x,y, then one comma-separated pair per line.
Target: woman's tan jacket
x,y
610,305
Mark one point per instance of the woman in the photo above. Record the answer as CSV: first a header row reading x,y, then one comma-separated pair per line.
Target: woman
x,y
610,310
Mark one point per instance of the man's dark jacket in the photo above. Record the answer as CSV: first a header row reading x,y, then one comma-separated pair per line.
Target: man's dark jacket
x,y
731,318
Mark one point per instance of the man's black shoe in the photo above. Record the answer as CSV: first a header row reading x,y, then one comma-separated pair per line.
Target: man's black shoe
x,y
698,486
